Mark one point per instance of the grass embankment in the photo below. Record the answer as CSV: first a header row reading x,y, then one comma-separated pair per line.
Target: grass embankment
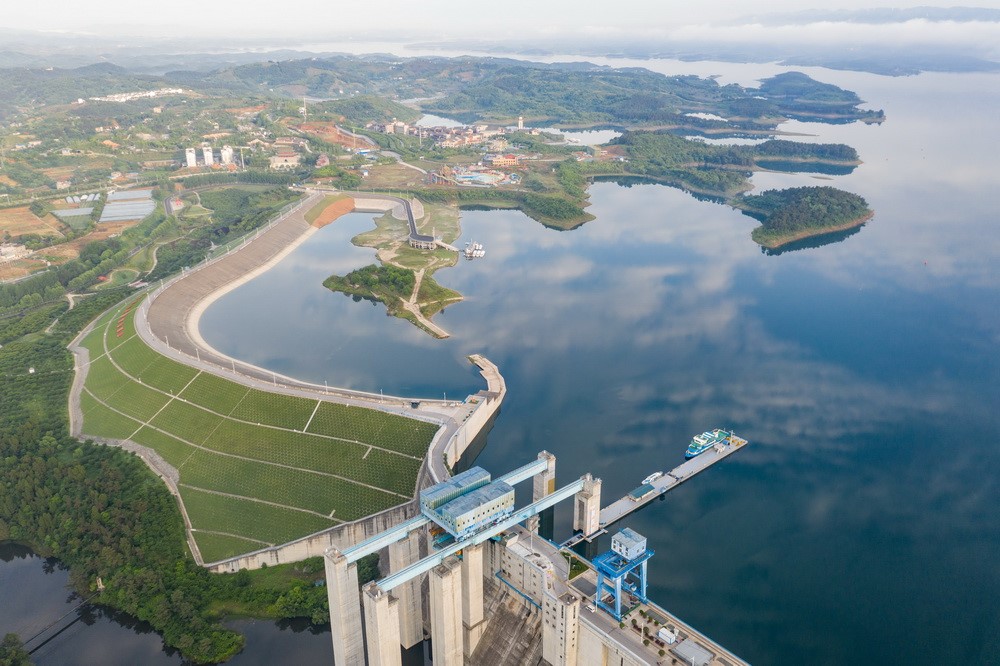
x,y
256,468
104,514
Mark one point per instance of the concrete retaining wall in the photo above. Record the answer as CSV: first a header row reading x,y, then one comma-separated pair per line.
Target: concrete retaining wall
x,y
313,545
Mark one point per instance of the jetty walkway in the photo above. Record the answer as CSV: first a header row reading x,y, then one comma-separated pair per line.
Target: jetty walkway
x,y
646,493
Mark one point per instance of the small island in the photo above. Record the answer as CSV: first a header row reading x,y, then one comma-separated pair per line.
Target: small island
x,y
802,212
403,279
406,294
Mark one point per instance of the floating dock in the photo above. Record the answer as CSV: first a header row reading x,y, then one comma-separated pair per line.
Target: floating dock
x,y
646,493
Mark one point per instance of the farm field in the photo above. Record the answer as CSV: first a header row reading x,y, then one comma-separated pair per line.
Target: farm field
x,y
256,468
21,221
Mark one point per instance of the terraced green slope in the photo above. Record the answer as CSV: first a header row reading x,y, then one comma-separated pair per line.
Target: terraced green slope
x,y
256,468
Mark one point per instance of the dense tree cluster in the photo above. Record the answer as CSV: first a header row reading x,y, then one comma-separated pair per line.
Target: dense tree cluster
x,y
251,177
640,97
803,208
366,108
383,283
12,652
104,514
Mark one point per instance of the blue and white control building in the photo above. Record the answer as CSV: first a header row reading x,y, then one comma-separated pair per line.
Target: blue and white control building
x,y
467,502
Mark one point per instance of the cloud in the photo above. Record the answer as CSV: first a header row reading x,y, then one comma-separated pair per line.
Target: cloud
x,y
826,33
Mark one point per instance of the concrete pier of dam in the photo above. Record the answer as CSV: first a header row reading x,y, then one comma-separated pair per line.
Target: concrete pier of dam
x,y
167,321
500,595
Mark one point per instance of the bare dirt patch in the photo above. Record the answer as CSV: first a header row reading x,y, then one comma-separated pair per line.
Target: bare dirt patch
x,y
245,110
332,211
329,133
21,221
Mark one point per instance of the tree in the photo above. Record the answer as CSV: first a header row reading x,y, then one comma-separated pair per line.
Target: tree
x,y
12,652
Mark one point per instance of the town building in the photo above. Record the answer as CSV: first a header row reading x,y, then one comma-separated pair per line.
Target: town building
x,y
501,160
285,160
191,158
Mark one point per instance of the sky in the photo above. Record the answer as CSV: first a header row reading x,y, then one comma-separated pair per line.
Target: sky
x,y
424,19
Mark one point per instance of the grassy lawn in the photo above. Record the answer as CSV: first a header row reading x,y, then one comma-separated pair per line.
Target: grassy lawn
x,y
279,483
251,519
214,393
118,278
576,567
215,547
102,422
384,430
284,411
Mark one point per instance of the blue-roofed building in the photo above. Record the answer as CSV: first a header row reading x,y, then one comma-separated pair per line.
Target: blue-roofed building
x,y
474,510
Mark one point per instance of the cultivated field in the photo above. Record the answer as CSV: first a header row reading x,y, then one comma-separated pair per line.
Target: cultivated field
x,y
256,468
21,221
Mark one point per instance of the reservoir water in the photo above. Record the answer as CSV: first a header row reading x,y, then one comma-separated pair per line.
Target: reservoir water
x,y
861,524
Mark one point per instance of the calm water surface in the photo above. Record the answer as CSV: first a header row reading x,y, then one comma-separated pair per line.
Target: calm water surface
x,y
861,525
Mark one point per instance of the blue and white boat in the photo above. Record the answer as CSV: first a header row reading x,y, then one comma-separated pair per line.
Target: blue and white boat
x,y
706,440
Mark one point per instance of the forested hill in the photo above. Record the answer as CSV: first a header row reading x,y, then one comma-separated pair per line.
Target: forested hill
x,y
718,170
475,88
23,86
802,211
639,97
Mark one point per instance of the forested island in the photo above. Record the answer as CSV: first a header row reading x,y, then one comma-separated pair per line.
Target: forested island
x,y
398,289
801,212
383,284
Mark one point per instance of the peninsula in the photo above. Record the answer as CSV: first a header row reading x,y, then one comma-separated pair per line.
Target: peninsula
x,y
802,212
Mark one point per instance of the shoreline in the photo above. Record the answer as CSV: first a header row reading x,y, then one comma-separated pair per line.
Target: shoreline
x,y
458,422
811,233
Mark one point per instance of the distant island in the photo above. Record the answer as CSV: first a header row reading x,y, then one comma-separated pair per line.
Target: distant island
x,y
802,212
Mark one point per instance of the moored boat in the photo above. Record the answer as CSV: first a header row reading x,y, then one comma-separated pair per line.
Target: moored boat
x,y
706,440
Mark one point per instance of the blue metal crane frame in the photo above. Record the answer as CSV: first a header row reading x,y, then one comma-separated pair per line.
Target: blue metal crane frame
x,y
614,567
